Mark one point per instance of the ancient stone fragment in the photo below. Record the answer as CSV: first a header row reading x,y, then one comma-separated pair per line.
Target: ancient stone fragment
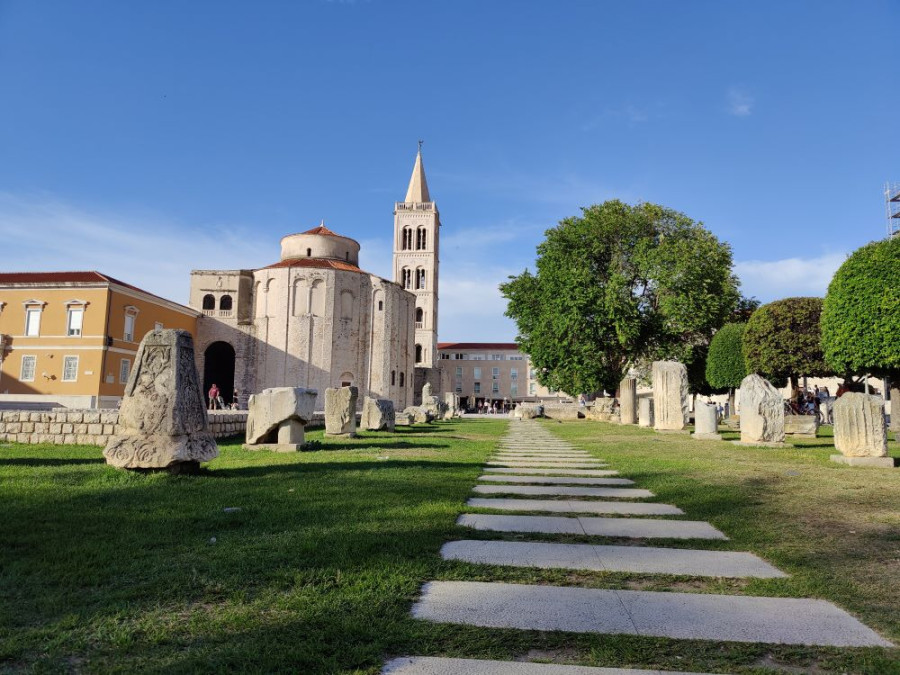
x,y
603,410
162,419
706,421
859,426
419,414
278,416
762,411
340,411
670,396
451,405
628,413
377,414
804,426
562,411
403,418
645,411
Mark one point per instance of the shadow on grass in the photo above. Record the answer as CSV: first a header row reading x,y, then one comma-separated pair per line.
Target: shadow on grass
x,y
330,445
46,461
326,467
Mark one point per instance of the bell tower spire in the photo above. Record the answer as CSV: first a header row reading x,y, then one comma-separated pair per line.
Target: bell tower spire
x,y
416,244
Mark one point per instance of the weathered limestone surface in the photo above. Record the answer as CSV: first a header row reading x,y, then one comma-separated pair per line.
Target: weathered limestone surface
x,y
451,405
419,415
859,426
403,418
645,411
706,421
762,411
805,426
603,410
340,411
895,410
628,412
527,411
377,414
562,412
670,396
162,419
279,415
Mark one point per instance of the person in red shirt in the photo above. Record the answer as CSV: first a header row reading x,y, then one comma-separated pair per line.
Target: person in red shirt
x,y
213,396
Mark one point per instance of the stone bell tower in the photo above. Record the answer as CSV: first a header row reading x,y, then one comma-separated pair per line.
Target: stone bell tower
x,y
416,237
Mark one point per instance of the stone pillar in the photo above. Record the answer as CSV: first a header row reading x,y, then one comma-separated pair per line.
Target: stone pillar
x,y
628,401
670,396
895,409
860,432
277,418
706,421
340,411
162,419
645,411
762,412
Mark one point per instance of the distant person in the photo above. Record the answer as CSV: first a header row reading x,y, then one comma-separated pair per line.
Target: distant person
x,y
213,396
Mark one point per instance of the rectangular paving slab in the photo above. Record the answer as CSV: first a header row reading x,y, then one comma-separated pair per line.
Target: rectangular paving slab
x,y
693,616
544,463
556,472
637,528
554,480
645,560
434,665
575,506
623,493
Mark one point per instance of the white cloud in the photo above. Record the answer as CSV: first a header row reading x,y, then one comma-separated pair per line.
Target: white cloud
x,y
42,233
740,103
471,307
790,277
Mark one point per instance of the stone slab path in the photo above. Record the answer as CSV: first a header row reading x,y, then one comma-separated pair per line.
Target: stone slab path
x,y
554,480
430,665
637,528
553,472
623,493
570,506
694,616
648,560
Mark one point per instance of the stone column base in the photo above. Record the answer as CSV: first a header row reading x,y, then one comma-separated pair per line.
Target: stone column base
x,y
881,462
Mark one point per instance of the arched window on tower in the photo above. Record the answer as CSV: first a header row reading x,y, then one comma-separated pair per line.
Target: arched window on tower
x,y
401,379
209,301
420,239
420,318
308,252
420,279
406,278
406,239
393,377
418,353
225,303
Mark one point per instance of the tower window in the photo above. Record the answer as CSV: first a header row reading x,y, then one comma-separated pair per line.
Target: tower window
x,y
401,379
380,305
420,318
418,353
406,239
209,301
308,252
225,303
420,239
393,377
420,279
406,278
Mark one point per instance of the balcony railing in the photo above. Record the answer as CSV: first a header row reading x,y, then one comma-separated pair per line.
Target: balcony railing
x,y
221,313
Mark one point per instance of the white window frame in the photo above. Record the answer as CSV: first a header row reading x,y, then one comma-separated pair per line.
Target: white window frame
x,y
495,387
32,358
33,311
495,373
70,312
124,365
126,336
66,361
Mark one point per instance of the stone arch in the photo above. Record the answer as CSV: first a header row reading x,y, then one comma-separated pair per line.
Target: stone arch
x,y
346,379
301,297
347,301
209,301
418,353
259,300
420,317
218,368
317,298
225,303
406,239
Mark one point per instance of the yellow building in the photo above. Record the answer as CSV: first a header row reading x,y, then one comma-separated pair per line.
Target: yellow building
x,y
70,338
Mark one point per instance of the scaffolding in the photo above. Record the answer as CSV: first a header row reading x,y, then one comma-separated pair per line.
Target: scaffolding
x,y
892,209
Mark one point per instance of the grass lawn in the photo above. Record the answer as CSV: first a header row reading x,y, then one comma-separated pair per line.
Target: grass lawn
x,y
104,571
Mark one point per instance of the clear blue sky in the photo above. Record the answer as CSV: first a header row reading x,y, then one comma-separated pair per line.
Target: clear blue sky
x,y
145,139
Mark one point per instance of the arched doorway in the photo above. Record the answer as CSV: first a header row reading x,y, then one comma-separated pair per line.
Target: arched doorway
x,y
218,367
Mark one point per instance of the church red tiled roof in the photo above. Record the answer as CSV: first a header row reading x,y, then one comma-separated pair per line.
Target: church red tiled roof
x,y
321,229
320,263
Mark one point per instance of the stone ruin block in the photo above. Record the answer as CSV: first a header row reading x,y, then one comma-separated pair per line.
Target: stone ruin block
x,y
403,418
860,431
706,421
602,410
670,396
340,411
419,415
628,412
645,411
277,418
162,418
451,405
527,411
804,426
377,414
762,412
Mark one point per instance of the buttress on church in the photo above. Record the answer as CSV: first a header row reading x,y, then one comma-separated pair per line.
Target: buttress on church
x,y
315,319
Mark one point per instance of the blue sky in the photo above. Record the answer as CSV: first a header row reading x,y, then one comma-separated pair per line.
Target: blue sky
x,y
148,139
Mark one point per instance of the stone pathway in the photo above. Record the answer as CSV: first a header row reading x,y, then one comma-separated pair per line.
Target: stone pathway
x,y
531,462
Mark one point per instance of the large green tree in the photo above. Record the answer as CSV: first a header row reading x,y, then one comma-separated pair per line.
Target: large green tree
x,y
783,340
617,285
861,316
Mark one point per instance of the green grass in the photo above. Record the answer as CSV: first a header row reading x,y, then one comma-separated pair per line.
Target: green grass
x,y
108,571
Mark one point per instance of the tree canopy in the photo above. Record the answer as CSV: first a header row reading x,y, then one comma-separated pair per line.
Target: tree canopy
x,y
861,316
725,364
783,340
616,285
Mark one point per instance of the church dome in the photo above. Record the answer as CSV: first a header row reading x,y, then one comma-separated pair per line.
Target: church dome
x,y
319,243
